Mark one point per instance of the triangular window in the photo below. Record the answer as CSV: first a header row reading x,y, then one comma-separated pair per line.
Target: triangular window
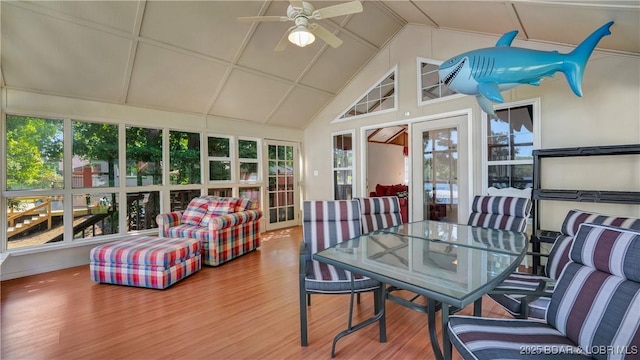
x,y
381,97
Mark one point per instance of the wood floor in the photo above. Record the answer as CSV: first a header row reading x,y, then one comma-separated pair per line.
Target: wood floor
x,y
245,309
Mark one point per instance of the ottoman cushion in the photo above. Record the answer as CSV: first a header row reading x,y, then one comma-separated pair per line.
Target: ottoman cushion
x,y
145,261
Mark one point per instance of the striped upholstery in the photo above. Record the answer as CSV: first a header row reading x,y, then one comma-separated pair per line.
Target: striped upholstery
x,y
558,259
379,213
327,223
145,261
500,212
224,237
593,310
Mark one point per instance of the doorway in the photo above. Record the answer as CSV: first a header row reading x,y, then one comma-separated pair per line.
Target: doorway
x,y
440,164
282,190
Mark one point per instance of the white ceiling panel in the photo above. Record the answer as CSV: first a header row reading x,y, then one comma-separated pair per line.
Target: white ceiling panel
x,y
168,79
548,22
336,66
49,55
219,34
249,96
118,15
409,12
477,16
384,24
299,107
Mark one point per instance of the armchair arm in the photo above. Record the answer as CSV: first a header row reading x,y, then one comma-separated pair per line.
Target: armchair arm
x,y
233,219
167,220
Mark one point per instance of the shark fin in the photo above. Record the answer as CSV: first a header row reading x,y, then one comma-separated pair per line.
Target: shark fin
x,y
507,38
575,62
486,105
490,91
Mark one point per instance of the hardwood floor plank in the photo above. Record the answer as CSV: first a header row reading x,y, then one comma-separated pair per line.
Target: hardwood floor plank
x,y
244,309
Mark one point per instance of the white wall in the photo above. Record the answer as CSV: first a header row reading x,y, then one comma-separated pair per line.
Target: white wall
x,y
62,255
607,114
385,164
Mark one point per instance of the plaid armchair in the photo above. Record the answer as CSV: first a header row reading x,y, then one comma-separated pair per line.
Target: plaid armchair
x,y
226,227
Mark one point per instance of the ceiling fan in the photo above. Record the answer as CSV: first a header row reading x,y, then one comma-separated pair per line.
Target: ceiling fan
x,y
303,32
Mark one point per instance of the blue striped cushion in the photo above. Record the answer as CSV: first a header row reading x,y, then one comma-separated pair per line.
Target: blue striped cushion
x,y
490,339
597,298
380,212
497,221
502,205
528,282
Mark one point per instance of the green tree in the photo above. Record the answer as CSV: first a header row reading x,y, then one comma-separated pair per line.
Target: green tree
x,y
97,142
144,146
184,157
34,152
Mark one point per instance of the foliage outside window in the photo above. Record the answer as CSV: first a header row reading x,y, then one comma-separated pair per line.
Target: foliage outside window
x,y
430,85
184,158
381,96
510,148
34,153
144,156
343,166
95,154
219,153
248,154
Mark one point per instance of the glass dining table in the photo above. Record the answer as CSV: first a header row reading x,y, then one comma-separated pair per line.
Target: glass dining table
x,y
452,265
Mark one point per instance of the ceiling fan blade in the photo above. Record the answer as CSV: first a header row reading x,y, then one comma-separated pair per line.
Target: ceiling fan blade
x,y
296,4
284,41
338,10
326,35
262,18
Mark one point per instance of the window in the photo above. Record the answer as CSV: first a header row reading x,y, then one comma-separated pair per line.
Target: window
x,y
184,158
219,153
95,154
34,153
380,97
430,86
144,156
509,147
343,166
248,154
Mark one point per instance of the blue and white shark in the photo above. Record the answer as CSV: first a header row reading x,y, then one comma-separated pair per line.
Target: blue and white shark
x,y
486,72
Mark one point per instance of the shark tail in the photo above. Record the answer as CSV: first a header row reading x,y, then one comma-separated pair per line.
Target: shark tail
x,y
576,61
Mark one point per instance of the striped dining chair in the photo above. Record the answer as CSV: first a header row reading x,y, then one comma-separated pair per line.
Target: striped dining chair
x,y
593,309
379,213
327,223
500,212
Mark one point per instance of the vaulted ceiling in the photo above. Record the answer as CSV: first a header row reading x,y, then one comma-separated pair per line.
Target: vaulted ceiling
x,y
195,57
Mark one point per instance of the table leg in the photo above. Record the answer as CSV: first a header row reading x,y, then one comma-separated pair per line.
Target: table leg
x,y
446,344
431,322
477,307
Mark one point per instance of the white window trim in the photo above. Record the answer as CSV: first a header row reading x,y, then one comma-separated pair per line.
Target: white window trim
x,y
246,160
536,137
353,167
232,159
394,70
421,102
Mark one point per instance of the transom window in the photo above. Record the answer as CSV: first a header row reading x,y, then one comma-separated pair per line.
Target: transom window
x,y
380,97
430,86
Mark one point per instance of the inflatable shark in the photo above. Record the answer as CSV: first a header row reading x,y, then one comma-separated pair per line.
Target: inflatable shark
x,y
486,72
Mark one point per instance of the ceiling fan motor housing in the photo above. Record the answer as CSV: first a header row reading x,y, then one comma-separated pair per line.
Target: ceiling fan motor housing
x,y
305,12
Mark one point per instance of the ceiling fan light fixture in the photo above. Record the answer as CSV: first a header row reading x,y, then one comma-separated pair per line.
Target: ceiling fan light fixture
x,y
301,37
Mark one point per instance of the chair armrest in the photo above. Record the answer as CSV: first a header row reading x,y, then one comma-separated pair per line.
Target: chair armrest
x,y
233,219
530,295
167,220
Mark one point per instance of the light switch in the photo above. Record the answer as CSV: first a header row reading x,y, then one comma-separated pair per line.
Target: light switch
x,y
315,172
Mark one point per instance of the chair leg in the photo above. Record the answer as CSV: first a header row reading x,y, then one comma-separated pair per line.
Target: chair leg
x,y
358,298
303,313
308,299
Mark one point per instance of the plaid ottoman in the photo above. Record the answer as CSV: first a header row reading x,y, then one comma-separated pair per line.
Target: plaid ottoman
x,y
145,261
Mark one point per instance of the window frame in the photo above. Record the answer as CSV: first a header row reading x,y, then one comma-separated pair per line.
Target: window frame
x,y
420,87
257,160
231,159
352,168
394,71
535,103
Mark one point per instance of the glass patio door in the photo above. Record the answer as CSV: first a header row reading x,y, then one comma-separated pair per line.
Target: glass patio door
x,y
282,176
440,170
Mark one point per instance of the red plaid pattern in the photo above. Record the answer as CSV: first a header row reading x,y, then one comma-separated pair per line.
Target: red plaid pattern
x,y
145,261
196,210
